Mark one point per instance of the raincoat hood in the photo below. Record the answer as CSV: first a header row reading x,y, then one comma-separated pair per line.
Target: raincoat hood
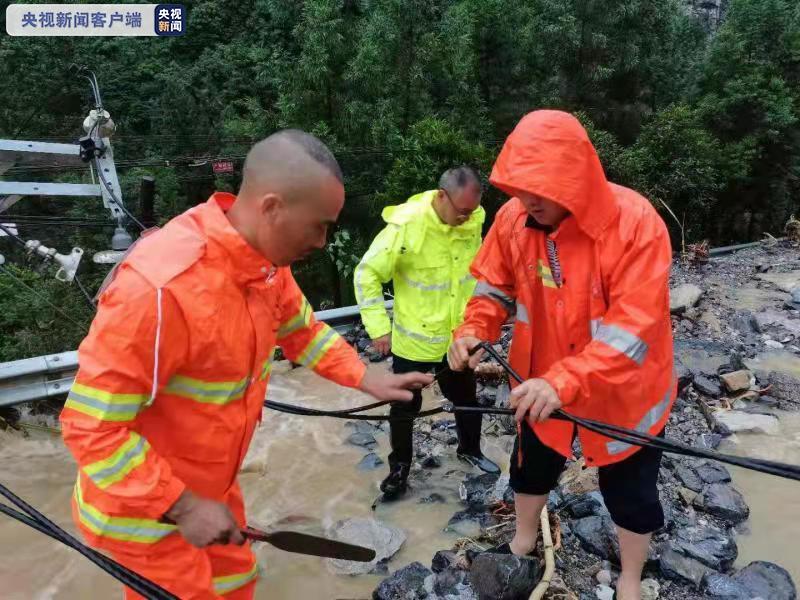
x,y
549,154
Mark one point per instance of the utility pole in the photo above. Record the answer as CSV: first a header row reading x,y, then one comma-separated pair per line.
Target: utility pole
x,y
147,198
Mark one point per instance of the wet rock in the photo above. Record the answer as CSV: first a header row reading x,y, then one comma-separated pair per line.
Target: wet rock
x,y
689,477
604,592
604,577
433,499
443,559
724,587
374,356
766,580
706,386
768,401
688,496
363,344
785,387
585,505
785,281
503,576
598,536
362,426
745,322
684,374
774,345
710,441
681,568
478,490
363,440
724,502
650,589
577,479
711,472
736,421
453,584
470,522
370,462
487,396
408,582
708,545
371,533
737,381
771,320
431,462
683,297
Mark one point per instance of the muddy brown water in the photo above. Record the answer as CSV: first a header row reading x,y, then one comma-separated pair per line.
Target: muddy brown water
x,y
298,470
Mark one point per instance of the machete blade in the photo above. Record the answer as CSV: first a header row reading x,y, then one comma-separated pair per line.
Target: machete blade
x,y
304,543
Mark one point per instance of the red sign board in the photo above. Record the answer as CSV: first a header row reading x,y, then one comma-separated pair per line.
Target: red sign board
x,y
222,166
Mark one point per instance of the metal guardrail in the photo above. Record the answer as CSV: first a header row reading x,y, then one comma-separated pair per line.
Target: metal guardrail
x,y
42,377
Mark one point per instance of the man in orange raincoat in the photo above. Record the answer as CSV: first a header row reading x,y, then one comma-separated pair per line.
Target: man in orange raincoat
x,y
175,368
583,265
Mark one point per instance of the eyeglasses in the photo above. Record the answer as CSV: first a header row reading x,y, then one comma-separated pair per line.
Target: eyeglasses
x,y
464,212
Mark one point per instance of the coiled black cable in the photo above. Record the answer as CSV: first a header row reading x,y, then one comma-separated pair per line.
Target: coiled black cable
x,y
33,518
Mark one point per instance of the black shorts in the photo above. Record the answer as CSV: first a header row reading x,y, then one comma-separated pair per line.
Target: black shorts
x,y
628,487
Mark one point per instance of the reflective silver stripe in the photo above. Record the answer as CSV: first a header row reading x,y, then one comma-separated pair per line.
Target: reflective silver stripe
x,y
653,416
311,356
418,336
370,302
359,271
466,279
594,325
120,463
622,341
489,291
425,287
522,314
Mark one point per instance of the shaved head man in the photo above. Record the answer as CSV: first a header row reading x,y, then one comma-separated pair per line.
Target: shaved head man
x,y
291,193
175,369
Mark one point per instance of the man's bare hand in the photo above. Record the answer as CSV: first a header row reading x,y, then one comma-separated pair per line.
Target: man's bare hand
x,y
383,344
536,398
204,522
458,354
388,386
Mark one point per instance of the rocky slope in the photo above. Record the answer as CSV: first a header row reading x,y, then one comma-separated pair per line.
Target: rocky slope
x,y
726,313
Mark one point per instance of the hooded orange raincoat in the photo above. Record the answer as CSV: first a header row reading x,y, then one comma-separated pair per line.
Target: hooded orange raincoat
x,y
591,298
171,385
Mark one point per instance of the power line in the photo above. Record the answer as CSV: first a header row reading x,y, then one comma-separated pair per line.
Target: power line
x,y
42,298
113,196
85,293
10,233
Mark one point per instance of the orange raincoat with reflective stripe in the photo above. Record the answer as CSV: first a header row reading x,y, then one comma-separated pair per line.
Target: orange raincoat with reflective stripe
x,y
595,321
174,371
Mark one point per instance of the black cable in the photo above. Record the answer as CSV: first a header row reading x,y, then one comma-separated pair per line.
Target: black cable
x,y
85,293
141,585
40,297
628,436
116,570
114,197
10,233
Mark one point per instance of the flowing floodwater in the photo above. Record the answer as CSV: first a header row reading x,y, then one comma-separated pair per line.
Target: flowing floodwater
x,y
298,474
774,524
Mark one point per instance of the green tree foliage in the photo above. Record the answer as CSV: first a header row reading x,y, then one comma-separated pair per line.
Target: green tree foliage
x,y
401,90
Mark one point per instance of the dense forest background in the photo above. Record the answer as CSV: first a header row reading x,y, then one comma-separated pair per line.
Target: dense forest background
x,y
695,104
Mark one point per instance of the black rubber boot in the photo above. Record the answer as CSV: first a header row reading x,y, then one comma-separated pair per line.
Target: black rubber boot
x,y
480,461
396,484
